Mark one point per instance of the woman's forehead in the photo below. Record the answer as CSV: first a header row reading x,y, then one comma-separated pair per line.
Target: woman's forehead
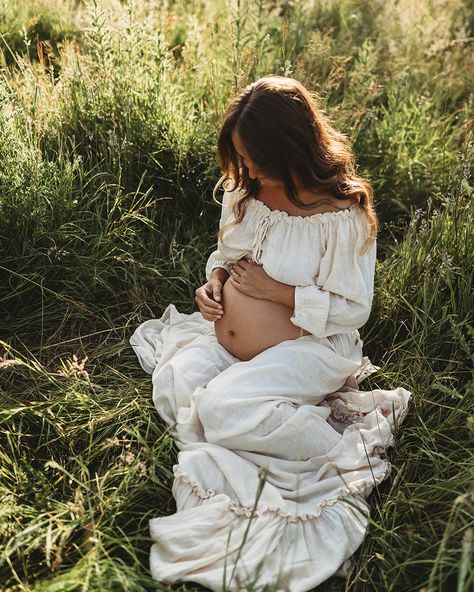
x,y
238,143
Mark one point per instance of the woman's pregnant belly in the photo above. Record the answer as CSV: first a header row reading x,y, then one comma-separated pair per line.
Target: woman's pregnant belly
x,y
250,325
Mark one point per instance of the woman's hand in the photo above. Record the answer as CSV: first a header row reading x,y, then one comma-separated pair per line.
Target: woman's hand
x,y
251,279
207,297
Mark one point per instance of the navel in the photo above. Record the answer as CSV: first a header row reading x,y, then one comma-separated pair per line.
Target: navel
x,y
231,332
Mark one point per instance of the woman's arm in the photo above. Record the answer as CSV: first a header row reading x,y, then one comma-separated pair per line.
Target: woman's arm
x,y
224,258
341,299
283,294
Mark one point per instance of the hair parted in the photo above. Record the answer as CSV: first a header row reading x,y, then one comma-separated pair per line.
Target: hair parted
x,y
284,129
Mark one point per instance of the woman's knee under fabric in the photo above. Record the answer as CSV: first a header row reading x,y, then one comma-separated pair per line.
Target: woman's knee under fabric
x,y
191,367
271,395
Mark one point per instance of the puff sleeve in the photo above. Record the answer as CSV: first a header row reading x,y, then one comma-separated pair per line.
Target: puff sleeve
x,y
341,299
237,240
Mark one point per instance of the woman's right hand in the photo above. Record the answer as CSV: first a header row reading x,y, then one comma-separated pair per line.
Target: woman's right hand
x,y
207,298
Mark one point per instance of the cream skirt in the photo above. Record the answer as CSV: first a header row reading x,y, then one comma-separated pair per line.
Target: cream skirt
x,y
277,455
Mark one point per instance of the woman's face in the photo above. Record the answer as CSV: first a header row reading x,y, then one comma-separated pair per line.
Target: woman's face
x,y
248,162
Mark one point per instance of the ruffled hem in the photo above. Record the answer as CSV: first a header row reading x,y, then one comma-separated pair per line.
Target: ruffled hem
x,y
250,511
210,542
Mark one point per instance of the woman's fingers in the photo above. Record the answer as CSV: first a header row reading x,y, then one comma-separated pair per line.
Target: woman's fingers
x,y
238,285
212,316
212,303
211,311
238,268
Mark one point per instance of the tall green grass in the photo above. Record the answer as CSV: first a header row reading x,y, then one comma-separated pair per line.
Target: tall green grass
x,y
421,334
108,122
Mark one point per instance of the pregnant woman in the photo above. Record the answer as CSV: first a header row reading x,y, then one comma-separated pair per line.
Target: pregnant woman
x,y
278,447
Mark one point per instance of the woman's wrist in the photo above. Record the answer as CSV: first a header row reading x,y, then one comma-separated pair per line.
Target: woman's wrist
x,y
220,274
283,294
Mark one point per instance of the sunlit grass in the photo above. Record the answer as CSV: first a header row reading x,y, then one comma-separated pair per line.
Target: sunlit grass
x,y
107,163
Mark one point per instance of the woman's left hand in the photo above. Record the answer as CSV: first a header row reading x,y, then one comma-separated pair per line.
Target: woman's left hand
x,y
251,279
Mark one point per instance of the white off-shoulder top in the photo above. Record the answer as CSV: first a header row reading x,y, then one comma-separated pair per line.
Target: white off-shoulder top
x,y
318,254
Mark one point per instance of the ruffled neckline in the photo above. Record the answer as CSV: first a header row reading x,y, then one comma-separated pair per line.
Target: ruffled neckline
x,y
290,218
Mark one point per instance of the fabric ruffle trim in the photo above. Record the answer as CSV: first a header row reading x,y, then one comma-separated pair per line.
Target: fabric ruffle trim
x,y
249,511
226,264
323,217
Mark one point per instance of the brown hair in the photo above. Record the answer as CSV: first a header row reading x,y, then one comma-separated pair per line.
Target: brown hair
x,y
284,129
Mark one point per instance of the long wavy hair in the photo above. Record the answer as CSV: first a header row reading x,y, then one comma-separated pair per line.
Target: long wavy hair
x,y
284,129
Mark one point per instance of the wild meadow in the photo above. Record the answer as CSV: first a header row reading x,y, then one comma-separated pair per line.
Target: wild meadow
x,y
109,114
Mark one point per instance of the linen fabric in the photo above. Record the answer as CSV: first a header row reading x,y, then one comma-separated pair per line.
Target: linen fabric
x,y
321,255
278,454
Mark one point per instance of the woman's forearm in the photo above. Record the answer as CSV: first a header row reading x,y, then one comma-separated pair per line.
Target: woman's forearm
x,y
282,293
